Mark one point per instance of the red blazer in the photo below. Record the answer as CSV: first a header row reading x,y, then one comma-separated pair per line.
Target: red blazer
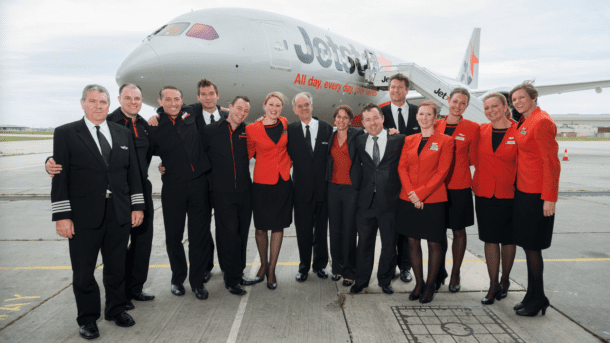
x,y
538,164
466,139
271,159
496,171
425,174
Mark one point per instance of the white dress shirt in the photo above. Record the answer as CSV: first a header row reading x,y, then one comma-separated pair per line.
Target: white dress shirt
x,y
382,141
207,116
405,114
313,130
103,129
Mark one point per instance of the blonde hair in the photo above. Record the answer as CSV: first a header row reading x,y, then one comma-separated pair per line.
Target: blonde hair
x,y
278,95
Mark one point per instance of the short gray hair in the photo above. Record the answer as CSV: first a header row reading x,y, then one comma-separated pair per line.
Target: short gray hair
x,y
302,94
97,88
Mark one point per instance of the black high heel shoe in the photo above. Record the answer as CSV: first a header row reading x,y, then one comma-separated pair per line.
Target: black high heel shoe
x,y
455,289
531,309
496,296
413,296
423,299
271,286
440,279
523,302
504,291
262,278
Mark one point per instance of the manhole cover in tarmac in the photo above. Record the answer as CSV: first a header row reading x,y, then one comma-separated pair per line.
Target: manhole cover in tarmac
x,y
452,324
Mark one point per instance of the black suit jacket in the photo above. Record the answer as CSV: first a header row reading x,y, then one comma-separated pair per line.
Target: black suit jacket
x,y
309,171
412,125
79,191
385,176
355,170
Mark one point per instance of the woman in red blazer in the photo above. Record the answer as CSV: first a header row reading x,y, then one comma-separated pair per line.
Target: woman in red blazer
x,y
494,189
424,164
538,170
272,187
459,212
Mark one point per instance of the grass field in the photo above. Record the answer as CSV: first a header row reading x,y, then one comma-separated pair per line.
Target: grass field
x,y
27,133
583,139
12,139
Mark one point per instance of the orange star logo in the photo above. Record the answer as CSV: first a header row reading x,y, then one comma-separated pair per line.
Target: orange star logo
x,y
385,63
473,60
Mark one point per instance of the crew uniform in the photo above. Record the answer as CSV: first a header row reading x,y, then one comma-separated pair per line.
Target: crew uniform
x,y
185,190
231,188
98,189
494,183
138,251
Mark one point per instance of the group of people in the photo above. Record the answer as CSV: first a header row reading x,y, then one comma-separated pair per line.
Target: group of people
x,y
406,175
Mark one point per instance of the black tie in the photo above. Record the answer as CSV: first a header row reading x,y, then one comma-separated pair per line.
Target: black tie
x,y
308,138
401,122
212,119
376,157
104,145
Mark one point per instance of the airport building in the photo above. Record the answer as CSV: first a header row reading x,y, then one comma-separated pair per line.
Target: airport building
x,y
576,125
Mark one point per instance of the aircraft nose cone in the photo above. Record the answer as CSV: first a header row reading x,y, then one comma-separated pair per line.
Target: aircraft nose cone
x,y
143,68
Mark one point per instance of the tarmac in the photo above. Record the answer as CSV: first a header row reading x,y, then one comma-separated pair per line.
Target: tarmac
x,y
37,302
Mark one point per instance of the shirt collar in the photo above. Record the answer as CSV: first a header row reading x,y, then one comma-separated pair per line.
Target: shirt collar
x,y
313,123
207,114
382,135
405,108
91,126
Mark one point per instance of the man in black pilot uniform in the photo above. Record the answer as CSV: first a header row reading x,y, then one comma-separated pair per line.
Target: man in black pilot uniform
x,y
94,201
308,150
402,116
227,147
178,141
380,186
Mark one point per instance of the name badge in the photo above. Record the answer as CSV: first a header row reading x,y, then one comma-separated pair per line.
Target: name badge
x,y
510,142
523,132
325,143
416,128
434,147
459,138
124,147
285,132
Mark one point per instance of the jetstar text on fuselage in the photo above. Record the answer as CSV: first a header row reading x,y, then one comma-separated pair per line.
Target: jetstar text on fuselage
x,y
328,53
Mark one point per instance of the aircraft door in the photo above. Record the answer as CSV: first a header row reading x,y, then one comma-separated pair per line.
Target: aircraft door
x,y
278,46
373,66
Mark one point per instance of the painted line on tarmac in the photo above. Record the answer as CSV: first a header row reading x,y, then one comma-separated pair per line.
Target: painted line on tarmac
x,y
297,263
239,316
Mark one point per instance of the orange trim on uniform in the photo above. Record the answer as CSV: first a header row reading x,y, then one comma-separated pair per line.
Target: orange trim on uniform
x,y
538,165
496,172
425,174
466,139
272,159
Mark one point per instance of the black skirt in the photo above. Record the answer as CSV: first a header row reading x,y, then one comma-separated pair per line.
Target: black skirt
x,y
459,211
428,223
495,219
532,230
272,205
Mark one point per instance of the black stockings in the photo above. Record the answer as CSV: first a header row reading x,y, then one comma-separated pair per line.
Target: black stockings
x,y
535,285
458,249
492,256
434,263
262,242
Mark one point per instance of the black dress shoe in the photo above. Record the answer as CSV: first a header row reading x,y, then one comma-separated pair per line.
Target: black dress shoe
x,y
301,277
405,276
496,296
248,282
523,302
347,283
142,296
200,292
414,296
387,289
207,276
237,290
532,308
322,273
259,279
440,278
336,277
89,331
178,289
504,291
356,289
122,320
129,305
422,298
272,286
455,289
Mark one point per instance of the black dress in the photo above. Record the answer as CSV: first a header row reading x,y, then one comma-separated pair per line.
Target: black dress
x,y
460,209
532,230
272,204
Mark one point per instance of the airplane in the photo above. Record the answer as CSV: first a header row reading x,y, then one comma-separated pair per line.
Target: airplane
x,y
252,53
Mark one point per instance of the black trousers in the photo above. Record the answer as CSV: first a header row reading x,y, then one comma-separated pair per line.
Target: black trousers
x,y
342,208
403,260
367,222
138,251
178,200
311,222
233,213
111,238
210,265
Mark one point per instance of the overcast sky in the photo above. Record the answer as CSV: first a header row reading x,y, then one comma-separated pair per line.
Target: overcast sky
x,y
49,50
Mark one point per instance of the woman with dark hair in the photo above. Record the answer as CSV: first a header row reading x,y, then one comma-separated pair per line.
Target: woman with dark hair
x,y
493,186
538,169
424,164
342,174
272,187
459,212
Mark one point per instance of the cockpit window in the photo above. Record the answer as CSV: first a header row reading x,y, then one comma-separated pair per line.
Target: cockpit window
x,y
202,31
174,29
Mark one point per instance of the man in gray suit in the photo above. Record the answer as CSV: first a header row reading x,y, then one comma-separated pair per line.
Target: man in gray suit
x,y
379,190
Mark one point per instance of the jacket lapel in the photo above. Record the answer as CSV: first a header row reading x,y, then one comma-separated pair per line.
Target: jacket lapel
x,y
85,135
362,147
117,142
